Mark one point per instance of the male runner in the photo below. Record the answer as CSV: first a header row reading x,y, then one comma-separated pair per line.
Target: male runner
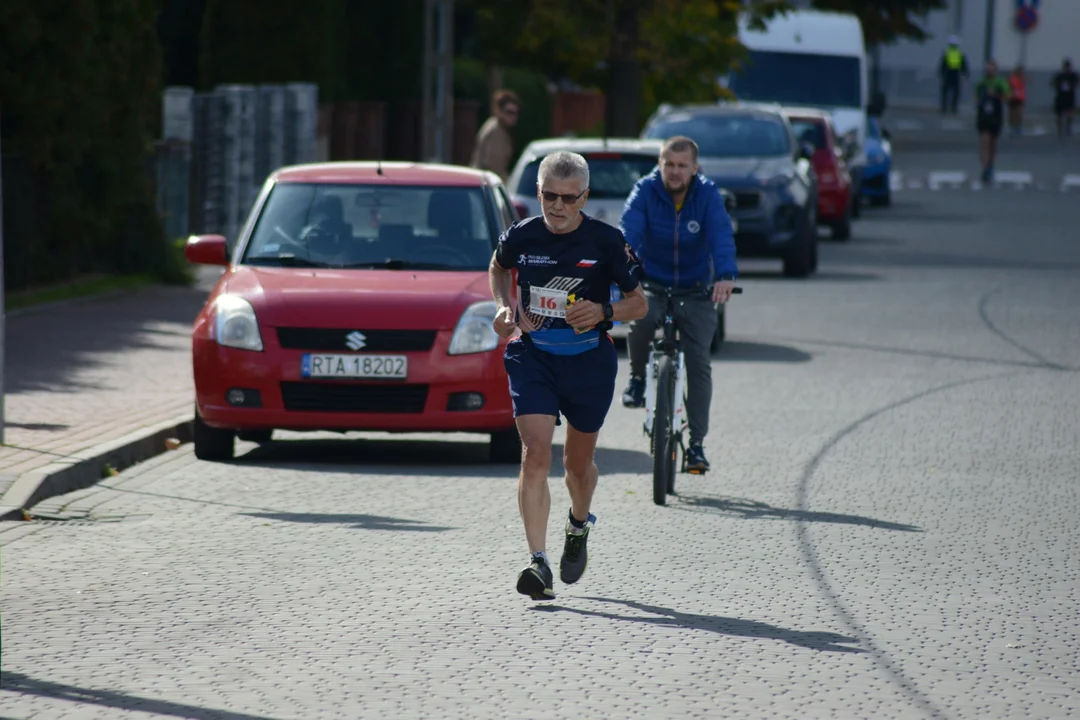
x,y
564,362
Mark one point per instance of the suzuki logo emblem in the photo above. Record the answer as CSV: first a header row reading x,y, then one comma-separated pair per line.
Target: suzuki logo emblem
x,y
355,340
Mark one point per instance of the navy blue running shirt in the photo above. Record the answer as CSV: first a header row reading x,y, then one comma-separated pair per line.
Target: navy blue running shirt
x,y
581,264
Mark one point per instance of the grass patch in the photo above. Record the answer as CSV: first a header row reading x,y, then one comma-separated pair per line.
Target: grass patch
x,y
74,290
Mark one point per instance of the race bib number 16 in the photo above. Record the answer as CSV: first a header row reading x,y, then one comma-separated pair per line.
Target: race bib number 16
x,y
547,302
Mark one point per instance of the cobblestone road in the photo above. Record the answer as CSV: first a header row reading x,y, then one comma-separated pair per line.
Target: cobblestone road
x,y
891,531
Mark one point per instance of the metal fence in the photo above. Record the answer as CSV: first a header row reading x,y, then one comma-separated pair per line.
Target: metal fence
x,y
218,147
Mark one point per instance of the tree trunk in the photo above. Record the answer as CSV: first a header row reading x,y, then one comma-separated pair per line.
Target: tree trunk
x,y
624,90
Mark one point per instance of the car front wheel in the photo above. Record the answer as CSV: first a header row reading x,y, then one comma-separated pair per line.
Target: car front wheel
x,y
212,443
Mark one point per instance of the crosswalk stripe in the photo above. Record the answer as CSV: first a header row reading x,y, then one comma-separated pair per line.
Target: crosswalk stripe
x,y
937,180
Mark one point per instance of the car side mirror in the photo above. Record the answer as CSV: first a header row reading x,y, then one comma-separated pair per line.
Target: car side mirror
x,y
886,134
207,250
806,150
729,200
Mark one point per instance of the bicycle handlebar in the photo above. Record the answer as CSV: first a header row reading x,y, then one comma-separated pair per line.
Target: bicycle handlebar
x,y
682,292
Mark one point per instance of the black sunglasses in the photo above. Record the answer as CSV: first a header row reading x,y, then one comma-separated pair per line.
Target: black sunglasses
x,y
567,199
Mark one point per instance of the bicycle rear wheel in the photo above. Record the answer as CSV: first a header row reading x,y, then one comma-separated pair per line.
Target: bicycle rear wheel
x,y
663,444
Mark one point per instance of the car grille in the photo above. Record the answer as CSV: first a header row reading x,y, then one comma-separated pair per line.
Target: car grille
x,y
353,398
747,200
374,340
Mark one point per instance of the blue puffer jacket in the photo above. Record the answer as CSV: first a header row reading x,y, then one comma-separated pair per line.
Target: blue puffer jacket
x,y
684,248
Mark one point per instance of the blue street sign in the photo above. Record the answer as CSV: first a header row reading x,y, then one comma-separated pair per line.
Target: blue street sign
x,y
1026,18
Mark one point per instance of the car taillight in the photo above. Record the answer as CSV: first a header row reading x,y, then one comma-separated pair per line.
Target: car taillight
x,y
522,210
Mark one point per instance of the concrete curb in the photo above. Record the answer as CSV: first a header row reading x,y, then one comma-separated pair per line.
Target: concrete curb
x,y
86,468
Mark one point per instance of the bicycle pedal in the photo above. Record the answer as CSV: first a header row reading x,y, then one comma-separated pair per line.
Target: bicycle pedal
x,y
695,471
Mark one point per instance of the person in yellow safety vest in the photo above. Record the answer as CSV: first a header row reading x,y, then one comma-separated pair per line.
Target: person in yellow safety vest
x,y
953,64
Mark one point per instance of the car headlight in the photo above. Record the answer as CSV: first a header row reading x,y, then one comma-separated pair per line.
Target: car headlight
x,y
779,180
474,332
235,324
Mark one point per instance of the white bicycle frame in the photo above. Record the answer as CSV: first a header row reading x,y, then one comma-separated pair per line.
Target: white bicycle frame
x,y
679,420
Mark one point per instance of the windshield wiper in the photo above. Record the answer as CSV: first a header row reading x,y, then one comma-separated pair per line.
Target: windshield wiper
x,y
284,261
395,264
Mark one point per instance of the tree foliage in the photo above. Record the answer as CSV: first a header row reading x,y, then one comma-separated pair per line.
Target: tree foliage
x,y
885,21
641,52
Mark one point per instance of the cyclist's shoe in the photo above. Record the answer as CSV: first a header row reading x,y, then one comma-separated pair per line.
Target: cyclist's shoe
x,y
536,580
634,394
575,555
695,459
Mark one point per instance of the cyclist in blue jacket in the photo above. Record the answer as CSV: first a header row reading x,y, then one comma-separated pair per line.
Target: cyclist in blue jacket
x,y
676,223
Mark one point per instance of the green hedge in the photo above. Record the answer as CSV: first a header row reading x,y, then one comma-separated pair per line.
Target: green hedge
x,y
78,119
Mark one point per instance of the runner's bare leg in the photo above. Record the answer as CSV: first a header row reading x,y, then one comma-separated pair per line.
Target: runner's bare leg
x,y
534,498
581,471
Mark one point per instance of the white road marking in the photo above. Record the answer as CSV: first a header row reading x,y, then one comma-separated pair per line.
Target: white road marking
x,y
937,178
1070,181
1018,179
896,180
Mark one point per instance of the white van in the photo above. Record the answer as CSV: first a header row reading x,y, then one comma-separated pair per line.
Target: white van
x,y
810,58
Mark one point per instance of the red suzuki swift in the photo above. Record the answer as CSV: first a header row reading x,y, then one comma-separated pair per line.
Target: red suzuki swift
x,y
835,196
356,298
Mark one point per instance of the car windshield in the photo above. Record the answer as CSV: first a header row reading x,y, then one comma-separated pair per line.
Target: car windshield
x,y
364,226
798,79
809,131
611,174
726,135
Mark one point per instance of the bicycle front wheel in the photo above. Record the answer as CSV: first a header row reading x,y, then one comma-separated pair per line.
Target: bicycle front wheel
x,y
663,435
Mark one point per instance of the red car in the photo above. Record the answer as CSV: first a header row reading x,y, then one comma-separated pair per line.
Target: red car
x,y
836,195
356,298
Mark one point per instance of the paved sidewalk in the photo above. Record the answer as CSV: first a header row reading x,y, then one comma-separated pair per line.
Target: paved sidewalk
x,y
90,378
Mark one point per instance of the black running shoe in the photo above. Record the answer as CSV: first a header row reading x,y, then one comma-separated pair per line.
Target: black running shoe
x,y
575,554
535,580
695,459
634,394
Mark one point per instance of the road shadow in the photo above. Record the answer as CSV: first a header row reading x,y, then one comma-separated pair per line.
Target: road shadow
x,y
26,685
755,510
742,351
46,347
745,351
354,521
661,616
36,426
825,275
409,457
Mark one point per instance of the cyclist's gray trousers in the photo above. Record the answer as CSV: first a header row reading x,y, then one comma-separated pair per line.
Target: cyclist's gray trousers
x,y
697,324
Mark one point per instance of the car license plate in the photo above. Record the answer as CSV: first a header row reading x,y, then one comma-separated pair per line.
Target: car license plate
x,y
389,367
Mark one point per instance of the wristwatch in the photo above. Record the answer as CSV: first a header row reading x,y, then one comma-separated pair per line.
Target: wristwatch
x,y
609,311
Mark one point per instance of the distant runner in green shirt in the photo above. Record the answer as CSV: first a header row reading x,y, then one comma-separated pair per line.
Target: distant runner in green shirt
x,y
991,94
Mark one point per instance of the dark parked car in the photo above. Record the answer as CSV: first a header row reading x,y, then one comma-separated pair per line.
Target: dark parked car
x,y
751,150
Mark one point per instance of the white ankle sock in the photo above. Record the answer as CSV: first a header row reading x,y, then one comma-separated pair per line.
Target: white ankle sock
x,y
542,554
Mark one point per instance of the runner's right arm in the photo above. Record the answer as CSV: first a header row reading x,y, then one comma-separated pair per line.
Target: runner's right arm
x,y
500,281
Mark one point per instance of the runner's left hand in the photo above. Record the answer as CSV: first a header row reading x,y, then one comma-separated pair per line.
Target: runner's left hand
x,y
584,315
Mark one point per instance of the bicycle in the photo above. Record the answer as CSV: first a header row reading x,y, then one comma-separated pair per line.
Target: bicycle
x,y
665,394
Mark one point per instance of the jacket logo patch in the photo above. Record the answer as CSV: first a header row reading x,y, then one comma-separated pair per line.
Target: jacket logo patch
x,y
693,226
586,263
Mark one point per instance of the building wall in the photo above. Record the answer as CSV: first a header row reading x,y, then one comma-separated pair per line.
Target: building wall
x,y
907,71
